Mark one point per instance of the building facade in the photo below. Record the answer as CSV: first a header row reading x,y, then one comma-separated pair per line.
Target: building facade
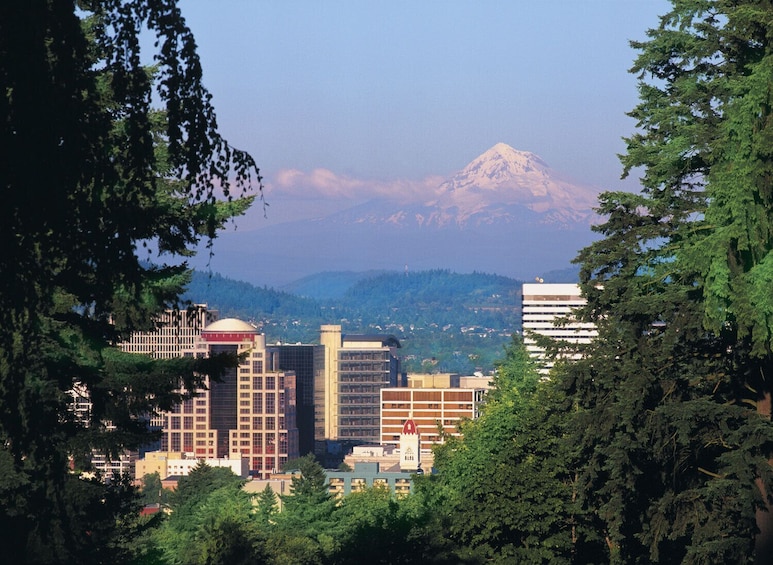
x,y
368,475
348,391
308,364
249,412
428,408
543,306
176,332
180,464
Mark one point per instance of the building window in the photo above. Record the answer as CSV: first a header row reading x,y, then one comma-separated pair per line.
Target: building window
x,y
270,423
270,402
270,383
257,402
257,367
283,442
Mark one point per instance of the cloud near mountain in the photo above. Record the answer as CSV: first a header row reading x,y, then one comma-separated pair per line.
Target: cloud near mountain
x,y
499,177
324,183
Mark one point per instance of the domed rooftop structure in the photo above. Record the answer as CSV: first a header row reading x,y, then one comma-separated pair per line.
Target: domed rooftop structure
x,y
231,326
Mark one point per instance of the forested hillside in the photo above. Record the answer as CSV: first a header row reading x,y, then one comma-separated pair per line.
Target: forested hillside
x,y
445,321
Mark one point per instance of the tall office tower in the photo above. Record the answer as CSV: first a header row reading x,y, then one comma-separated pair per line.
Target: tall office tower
x,y
249,412
357,367
308,363
543,306
80,406
175,333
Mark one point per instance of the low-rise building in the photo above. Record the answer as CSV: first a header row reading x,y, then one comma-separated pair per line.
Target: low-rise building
x,y
167,464
367,475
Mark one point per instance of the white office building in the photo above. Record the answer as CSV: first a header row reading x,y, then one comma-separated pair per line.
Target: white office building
x,y
544,305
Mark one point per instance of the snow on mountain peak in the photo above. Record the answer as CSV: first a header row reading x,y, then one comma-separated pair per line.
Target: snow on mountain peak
x,y
498,166
503,176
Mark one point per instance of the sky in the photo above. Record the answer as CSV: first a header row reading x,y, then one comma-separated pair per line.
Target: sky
x,y
398,91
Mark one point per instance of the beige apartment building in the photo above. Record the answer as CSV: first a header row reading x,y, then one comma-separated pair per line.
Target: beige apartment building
x,y
347,392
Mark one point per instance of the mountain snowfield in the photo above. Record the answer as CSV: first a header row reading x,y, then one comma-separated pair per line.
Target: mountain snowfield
x,y
502,185
507,212
503,176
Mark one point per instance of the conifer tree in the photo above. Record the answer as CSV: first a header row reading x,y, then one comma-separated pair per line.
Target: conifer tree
x,y
673,422
92,174
506,485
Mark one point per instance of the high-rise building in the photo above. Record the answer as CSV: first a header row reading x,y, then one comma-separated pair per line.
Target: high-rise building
x,y
176,332
347,393
308,364
250,411
543,306
80,406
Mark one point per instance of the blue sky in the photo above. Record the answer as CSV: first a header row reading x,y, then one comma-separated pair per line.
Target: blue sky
x,y
408,89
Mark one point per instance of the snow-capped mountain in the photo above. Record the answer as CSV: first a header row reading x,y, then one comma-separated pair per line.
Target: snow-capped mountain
x,y
502,185
503,176
506,212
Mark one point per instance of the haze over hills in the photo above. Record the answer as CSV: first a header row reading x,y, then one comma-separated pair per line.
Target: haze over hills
x,y
506,212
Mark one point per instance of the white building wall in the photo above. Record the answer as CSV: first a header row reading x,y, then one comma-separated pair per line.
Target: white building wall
x,y
543,306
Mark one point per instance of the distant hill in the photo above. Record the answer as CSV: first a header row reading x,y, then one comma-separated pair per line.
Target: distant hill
x,y
328,285
234,298
568,275
445,321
